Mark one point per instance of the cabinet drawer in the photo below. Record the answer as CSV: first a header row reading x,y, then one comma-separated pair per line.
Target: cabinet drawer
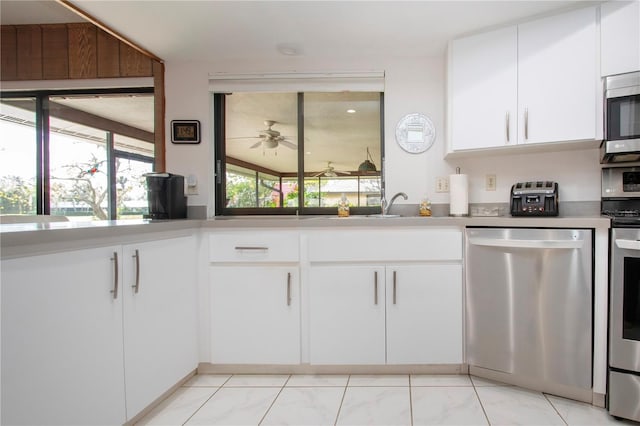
x,y
386,245
251,246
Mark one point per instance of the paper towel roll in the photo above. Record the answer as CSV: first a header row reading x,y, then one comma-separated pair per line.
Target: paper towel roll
x,y
458,195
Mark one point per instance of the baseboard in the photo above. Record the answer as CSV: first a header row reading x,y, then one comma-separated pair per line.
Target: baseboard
x,y
208,368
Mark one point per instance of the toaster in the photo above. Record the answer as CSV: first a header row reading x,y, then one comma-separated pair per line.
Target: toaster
x,y
534,199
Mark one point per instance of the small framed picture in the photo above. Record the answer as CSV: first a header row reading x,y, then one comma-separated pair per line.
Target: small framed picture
x,y
185,131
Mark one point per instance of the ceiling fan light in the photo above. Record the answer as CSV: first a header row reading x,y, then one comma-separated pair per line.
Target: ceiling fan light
x,y
270,143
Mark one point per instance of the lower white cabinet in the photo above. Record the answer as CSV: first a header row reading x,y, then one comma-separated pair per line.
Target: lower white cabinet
x,y
62,360
346,314
81,347
160,319
254,293
255,314
424,314
393,314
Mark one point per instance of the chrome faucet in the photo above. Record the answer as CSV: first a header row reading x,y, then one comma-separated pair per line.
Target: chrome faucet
x,y
387,207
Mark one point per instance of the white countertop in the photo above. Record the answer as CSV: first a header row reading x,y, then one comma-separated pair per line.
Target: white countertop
x,y
23,239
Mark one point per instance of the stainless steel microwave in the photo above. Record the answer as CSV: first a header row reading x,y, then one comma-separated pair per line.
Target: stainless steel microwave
x,y
622,119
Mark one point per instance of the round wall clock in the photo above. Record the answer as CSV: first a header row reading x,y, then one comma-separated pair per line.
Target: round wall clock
x,y
415,133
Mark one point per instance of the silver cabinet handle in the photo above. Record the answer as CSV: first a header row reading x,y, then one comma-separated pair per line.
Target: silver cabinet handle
x,y
136,286
251,248
375,288
507,126
115,277
526,123
395,281
288,288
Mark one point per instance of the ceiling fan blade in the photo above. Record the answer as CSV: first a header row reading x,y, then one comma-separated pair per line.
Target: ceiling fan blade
x,y
317,174
289,144
245,137
255,145
343,172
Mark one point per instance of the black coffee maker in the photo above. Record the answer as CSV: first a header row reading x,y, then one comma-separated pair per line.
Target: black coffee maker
x,y
165,196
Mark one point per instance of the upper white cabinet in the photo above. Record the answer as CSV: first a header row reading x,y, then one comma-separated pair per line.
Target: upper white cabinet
x,y
620,37
484,88
532,83
557,78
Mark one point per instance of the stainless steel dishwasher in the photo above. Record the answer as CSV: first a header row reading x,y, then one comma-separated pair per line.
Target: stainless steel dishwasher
x,y
529,308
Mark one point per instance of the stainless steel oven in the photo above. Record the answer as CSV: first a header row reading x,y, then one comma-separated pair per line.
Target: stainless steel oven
x,y
624,325
621,200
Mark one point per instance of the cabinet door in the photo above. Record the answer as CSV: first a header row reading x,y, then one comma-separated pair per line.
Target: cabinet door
x,y
620,36
160,325
557,78
346,315
255,314
484,90
424,314
62,339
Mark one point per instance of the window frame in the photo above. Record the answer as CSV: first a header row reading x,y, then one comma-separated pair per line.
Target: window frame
x,y
43,175
219,136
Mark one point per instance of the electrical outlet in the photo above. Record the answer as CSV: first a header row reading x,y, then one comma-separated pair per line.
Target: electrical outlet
x,y
490,182
442,184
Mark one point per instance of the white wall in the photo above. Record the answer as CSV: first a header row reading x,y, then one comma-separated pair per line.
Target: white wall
x,y
411,85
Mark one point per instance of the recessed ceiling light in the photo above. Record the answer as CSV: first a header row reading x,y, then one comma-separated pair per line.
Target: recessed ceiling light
x,y
351,111
288,49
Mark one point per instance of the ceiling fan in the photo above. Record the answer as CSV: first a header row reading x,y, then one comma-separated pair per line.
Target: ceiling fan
x,y
269,138
331,171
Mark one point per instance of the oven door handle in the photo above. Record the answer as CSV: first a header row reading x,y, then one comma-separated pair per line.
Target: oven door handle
x,y
628,244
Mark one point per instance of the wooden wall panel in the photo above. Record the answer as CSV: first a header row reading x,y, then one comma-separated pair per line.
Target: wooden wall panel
x,y
159,163
55,52
9,52
108,55
83,61
29,52
134,63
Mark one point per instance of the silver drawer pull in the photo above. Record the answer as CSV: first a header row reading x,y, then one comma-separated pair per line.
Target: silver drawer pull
x,y
115,275
395,281
375,288
507,127
288,288
136,286
255,248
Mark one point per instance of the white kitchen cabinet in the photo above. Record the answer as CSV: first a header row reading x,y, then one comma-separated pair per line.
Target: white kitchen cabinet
x,y
558,78
424,314
254,290
392,296
255,315
62,349
532,83
76,352
484,90
347,314
160,325
620,37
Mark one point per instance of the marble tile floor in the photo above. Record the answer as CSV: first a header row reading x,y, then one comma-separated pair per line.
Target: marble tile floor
x,y
303,400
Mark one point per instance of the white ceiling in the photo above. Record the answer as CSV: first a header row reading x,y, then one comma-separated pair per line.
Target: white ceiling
x,y
223,30
255,31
